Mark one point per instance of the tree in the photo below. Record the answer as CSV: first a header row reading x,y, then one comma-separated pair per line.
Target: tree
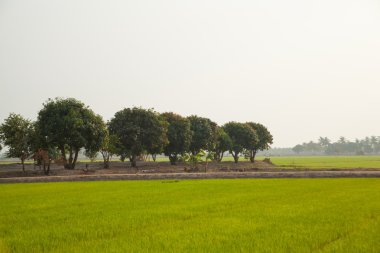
x,y
263,141
242,136
202,134
342,140
312,147
214,135
43,152
374,144
16,133
157,147
91,154
298,148
44,157
367,145
223,143
109,148
324,141
96,133
69,125
138,131
179,136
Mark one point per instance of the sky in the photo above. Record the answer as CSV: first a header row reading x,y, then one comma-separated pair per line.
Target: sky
x,y
302,68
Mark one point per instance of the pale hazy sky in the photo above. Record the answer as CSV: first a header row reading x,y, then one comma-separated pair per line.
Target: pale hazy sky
x,y
303,68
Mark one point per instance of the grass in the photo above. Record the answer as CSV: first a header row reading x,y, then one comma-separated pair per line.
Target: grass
x,y
328,162
313,162
295,162
242,215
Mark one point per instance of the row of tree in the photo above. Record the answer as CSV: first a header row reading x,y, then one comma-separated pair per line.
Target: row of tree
x,y
66,126
343,146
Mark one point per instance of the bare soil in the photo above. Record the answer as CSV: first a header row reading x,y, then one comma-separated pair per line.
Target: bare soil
x,y
12,173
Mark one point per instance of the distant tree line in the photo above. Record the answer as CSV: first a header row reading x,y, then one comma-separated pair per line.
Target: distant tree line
x,y
66,126
343,146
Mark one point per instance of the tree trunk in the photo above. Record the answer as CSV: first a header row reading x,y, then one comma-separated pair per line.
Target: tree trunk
x,y
63,154
70,157
132,159
70,164
23,164
47,167
154,157
221,157
252,157
75,158
122,157
236,157
106,164
216,156
106,159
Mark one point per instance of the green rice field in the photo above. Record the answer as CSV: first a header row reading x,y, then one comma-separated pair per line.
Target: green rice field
x,y
239,215
328,162
297,162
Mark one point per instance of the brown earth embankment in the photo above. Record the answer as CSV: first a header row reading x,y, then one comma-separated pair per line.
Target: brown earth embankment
x,y
182,176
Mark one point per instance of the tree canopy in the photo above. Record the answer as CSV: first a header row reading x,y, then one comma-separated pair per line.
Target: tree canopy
x,y
223,143
64,127
202,134
368,145
138,130
16,132
70,125
109,148
242,137
179,136
263,141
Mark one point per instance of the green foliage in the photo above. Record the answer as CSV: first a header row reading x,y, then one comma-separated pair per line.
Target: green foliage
x,y
16,133
214,135
202,133
237,215
160,139
242,136
69,125
327,162
179,136
263,141
324,141
43,151
194,159
298,148
209,157
96,132
109,148
223,143
91,154
343,146
138,131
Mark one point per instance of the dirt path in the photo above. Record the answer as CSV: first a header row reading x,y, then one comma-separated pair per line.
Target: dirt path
x,y
179,176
